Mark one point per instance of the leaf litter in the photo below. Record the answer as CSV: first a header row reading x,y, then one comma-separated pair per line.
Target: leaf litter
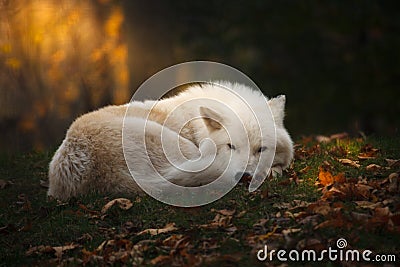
x,y
358,192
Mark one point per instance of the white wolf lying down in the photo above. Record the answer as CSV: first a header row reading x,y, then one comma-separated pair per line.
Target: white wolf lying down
x,y
172,136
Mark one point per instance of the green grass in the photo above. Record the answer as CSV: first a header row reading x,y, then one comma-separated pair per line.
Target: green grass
x,y
29,219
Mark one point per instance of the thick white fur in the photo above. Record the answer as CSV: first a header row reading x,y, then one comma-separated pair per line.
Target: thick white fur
x,y
91,156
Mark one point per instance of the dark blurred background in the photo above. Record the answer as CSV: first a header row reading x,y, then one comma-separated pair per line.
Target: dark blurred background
x,y
338,62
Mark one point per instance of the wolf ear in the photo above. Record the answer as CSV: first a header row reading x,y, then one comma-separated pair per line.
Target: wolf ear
x,y
277,106
211,119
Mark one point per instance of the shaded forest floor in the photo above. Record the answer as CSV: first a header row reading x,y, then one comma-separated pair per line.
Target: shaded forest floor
x,y
337,188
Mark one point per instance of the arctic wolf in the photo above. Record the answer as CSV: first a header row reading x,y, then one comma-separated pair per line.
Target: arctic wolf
x,y
190,139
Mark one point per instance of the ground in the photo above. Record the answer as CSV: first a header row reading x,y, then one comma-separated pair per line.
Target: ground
x,y
339,191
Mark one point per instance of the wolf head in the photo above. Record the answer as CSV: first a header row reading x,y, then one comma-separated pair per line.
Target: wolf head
x,y
243,134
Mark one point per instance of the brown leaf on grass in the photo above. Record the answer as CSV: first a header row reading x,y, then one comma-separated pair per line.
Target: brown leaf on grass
x,y
305,169
114,251
287,234
161,260
174,240
39,250
368,152
368,205
326,178
222,219
218,221
225,212
373,167
256,238
58,251
88,256
380,218
319,207
382,212
336,220
393,163
123,203
361,191
153,231
360,217
86,209
348,191
349,162
241,214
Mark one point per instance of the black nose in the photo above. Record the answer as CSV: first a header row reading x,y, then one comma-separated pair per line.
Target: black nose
x,y
243,177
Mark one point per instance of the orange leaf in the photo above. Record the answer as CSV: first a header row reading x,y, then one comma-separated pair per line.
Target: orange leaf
x,y
326,178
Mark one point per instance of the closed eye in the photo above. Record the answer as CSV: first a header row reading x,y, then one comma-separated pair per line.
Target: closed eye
x,y
261,149
231,146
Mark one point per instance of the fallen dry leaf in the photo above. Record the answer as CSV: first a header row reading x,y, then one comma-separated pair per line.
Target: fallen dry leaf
x,y
326,178
39,250
58,251
286,232
393,163
222,219
161,260
123,203
265,236
360,217
368,152
305,169
349,162
174,240
382,212
336,221
168,228
367,204
380,218
320,207
225,212
373,167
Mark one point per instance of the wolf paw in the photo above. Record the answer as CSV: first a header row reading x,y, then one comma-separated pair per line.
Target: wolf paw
x,y
276,171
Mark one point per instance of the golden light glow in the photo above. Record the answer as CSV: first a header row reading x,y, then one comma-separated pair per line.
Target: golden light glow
x,y
65,56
